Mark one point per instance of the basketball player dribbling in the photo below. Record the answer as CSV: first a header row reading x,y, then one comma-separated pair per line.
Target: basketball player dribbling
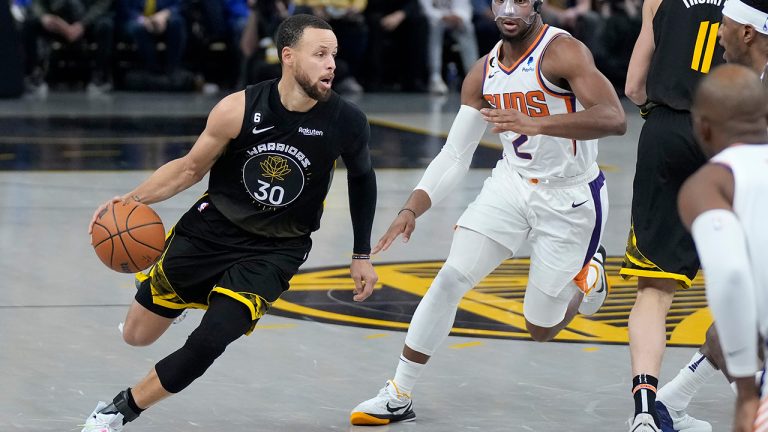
x,y
724,205
540,90
271,156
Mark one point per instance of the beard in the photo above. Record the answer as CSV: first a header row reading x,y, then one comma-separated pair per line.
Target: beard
x,y
312,90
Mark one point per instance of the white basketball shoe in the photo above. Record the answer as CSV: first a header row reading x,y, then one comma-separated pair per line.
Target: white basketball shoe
x,y
595,295
643,422
390,405
679,421
102,420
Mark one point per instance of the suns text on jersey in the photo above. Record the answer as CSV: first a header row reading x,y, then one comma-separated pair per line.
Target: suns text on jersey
x,y
532,103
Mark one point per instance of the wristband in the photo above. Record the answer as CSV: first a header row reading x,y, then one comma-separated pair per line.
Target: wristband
x,y
361,256
407,209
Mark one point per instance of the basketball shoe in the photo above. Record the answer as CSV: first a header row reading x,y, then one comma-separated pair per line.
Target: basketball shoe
x,y
643,422
105,418
594,296
679,421
390,405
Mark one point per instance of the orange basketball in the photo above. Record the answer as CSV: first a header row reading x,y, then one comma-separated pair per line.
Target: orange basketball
x,y
128,237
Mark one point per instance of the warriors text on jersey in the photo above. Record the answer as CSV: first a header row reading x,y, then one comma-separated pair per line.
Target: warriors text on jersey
x,y
273,178
748,163
522,86
685,36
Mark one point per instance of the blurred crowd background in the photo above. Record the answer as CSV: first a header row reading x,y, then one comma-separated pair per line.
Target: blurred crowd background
x,y
211,45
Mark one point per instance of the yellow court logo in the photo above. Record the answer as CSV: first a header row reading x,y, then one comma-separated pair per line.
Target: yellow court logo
x,y
493,309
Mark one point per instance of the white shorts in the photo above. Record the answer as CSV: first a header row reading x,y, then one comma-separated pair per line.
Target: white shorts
x,y
563,221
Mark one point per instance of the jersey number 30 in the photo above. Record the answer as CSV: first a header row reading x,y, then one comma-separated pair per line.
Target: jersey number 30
x,y
267,191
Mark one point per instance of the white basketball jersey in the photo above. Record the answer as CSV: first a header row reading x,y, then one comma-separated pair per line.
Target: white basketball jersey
x,y
749,165
523,87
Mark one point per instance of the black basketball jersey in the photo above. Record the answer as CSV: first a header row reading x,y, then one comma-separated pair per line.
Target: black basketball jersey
x,y
273,178
685,33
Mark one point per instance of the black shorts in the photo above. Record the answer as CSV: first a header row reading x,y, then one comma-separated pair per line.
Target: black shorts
x,y
206,253
659,246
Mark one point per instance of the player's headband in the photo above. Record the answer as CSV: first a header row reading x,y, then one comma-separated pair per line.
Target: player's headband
x,y
747,15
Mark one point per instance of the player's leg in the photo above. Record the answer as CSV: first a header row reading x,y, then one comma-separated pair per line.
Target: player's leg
x,y
547,314
146,321
647,341
177,269
660,252
225,321
566,260
472,257
673,398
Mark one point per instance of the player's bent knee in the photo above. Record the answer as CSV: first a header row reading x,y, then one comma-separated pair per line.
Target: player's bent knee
x,y
540,334
135,337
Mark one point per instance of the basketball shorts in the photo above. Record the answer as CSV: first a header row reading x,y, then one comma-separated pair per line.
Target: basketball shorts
x,y
659,246
563,221
205,253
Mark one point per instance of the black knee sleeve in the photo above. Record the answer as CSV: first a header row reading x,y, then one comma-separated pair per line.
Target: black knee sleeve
x,y
224,322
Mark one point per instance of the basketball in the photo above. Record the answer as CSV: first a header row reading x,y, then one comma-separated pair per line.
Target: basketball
x,y
128,237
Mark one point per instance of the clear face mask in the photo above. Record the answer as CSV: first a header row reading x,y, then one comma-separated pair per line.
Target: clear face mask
x,y
514,9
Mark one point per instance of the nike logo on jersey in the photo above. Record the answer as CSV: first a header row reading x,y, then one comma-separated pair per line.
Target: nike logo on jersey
x,y
574,205
490,75
258,131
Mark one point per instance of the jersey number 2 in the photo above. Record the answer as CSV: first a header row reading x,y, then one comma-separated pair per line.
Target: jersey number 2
x,y
517,143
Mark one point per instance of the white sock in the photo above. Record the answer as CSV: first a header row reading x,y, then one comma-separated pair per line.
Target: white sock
x,y
677,394
406,375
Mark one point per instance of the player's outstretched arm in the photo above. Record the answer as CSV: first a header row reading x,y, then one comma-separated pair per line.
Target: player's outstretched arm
x,y
705,205
450,166
224,123
640,61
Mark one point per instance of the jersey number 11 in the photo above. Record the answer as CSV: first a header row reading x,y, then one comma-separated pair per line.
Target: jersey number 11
x,y
702,58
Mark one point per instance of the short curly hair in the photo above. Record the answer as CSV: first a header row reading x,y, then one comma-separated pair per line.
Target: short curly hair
x,y
291,29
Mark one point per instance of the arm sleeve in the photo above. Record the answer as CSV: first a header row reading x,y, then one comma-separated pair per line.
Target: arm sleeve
x,y
450,166
361,187
362,208
722,248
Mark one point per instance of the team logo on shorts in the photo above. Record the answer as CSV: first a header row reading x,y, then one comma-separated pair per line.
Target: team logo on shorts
x,y
493,309
274,179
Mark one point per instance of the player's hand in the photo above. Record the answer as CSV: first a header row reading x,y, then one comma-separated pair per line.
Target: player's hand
x,y
404,224
365,278
510,120
100,210
746,412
